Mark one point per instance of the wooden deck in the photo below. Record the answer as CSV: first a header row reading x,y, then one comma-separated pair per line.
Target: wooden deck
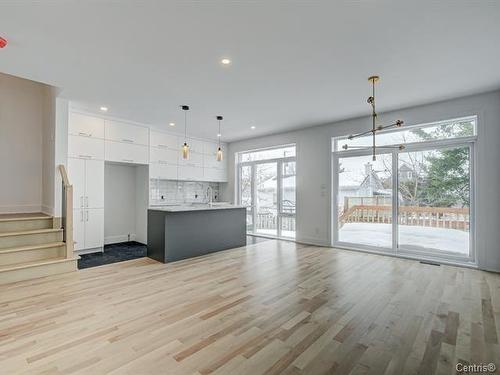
x,y
270,308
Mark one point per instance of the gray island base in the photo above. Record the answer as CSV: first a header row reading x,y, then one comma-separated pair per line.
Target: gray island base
x,y
176,233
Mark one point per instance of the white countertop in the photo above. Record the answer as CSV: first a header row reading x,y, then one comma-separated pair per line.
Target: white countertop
x,y
195,207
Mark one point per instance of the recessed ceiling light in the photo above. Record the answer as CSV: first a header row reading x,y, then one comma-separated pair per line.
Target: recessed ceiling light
x,y
104,109
172,124
225,61
252,127
219,135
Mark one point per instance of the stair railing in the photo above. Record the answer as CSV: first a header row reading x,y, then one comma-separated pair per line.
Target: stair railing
x,y
67,211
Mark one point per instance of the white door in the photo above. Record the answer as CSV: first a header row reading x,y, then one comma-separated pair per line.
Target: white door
x,y
79,229
94,184
76,175
94,228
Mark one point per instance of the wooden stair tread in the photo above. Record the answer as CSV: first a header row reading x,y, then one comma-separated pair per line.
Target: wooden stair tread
x,y
17,266
35,231
24,216
32,247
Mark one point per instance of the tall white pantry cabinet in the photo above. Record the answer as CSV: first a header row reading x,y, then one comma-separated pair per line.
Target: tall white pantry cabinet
x,y
86,174
92,141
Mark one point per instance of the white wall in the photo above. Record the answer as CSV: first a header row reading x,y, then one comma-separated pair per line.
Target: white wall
x,y
25,111
125,203
314,168
119,203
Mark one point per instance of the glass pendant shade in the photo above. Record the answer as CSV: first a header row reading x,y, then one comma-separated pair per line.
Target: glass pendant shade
x,y
219,154
185,147
185,151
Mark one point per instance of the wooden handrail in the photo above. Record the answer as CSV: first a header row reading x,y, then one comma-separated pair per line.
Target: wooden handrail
x,y
67,211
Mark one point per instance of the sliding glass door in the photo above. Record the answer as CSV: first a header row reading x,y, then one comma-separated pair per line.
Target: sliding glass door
x,y
267,188
416,200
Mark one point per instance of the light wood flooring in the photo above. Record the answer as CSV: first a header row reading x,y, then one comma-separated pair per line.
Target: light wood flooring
x,y
270,308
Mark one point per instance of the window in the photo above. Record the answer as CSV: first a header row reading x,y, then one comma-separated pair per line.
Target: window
x,y
414,201
267,188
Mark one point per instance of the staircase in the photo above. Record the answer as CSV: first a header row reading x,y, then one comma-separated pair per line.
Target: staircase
x,y
31,246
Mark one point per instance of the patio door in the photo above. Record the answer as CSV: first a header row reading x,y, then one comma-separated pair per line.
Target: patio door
x,y
415,201
267,189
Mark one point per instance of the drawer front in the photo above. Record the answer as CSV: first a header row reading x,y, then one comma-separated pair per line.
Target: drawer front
x,y
126,153
123,132
189,173
164,140
195,160
215,175
163,171
85,126
163,155
85,147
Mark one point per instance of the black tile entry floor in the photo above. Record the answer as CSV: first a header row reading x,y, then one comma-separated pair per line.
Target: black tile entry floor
x,y
117,252
120,252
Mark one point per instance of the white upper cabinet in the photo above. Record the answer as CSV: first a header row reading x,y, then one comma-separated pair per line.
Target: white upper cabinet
x,y
209,161
163,155
126,153
85,147
190,173
210,148
163,171
127,133
194,145
215,175
194,160
164,140
85,126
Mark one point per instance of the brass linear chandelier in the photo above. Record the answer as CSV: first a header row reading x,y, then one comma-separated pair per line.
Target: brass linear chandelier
x,y
375,128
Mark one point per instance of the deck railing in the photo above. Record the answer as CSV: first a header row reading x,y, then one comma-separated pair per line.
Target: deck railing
x,y
269,220
438,217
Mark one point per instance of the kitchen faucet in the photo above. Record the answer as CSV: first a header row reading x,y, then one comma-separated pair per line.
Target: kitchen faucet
x,y
210,195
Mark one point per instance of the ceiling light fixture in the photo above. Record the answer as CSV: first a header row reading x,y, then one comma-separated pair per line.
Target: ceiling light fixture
x,y
225,61
252,127
375,128
104,109
219,149
185,147
172,124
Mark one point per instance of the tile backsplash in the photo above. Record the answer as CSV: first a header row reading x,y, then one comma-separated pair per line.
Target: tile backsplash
x,y
172,192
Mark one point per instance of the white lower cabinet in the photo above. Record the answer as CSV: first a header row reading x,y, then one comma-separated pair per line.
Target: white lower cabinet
x,y
88,228
126,153
163,171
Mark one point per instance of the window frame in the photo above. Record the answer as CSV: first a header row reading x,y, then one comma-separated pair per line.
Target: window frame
x,y
425,254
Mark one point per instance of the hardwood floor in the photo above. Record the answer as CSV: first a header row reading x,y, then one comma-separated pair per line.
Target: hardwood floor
x,y
270,308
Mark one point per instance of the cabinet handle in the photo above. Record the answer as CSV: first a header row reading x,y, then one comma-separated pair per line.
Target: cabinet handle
x,y
87,215
81,201
85,134
85,156
128,160
81,215
163,146
87,201
127,140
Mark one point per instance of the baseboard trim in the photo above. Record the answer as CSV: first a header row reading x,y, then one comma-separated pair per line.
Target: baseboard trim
x,y
20,209
48,210
312,241
118,239
89,251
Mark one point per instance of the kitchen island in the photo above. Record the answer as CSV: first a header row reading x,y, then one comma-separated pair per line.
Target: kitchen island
x,y
181,232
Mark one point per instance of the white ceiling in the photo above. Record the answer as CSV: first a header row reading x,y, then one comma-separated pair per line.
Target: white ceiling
x,y
295,64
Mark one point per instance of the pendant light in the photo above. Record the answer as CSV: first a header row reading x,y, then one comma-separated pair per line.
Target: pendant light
x,y
185,146
219,135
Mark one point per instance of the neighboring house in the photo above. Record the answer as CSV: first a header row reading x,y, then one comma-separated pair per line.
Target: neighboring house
x,y
371,185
